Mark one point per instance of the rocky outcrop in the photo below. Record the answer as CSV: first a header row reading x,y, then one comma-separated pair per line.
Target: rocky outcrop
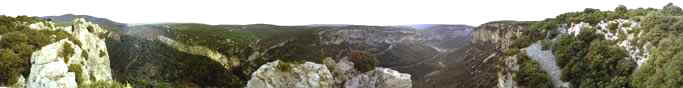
x,y
278,74
312,75
49,70
500,34
52,67
380,78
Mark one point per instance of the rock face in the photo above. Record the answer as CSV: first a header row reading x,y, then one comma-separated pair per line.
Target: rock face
x,y
50,70
312,75
380,78
500,35
307,75
96,61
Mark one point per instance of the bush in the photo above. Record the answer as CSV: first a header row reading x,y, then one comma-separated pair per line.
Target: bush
x,y
11,66
672,9
613,27
66,52
362,61
284,66
102,54
84,54
663,69
76,68
621,9
103,84
530,74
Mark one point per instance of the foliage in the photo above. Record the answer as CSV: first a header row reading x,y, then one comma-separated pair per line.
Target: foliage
x,y
672,9
530,74
66,52
102,54
590,61
663,68
84,54
76,68
362,61
11,66
621,9
285,66
103,84
613,27
18,43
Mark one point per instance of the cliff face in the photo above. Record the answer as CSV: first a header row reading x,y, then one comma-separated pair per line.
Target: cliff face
x,y
82,58
500,36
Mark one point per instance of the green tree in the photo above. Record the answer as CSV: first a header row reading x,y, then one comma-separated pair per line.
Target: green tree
x,y
621,9
672,9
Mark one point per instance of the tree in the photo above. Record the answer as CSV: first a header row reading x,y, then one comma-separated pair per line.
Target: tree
x,y
621,9
672,9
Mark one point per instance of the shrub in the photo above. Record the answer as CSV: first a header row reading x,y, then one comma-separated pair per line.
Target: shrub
x,y
672,9
76,68
530,74
102,54
613,27
284,66
621,9
66,52
362,61
103,84
11,66
84,54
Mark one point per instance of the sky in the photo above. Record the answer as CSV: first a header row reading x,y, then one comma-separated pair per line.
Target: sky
x,y
304,12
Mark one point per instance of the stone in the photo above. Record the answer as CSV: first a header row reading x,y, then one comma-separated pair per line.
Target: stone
x,y
48,70
306,75
380,78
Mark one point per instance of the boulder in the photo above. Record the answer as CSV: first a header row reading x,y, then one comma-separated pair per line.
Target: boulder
x,y
306,75
48,70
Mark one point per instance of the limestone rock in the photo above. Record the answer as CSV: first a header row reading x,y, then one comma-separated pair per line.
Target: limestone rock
x,y
97,57
306,75
380,78
49,70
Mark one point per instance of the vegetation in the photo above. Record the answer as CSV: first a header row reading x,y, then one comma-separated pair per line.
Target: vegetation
x,y
530,74
589,61
663,69
103,84
66,52
362,61
17,44
285,66
84,54
102,54
76,68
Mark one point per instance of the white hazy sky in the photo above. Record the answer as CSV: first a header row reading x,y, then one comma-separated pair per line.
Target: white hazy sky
x,y
302,12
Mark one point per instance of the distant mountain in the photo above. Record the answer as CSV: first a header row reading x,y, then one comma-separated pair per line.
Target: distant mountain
x,y
66,19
